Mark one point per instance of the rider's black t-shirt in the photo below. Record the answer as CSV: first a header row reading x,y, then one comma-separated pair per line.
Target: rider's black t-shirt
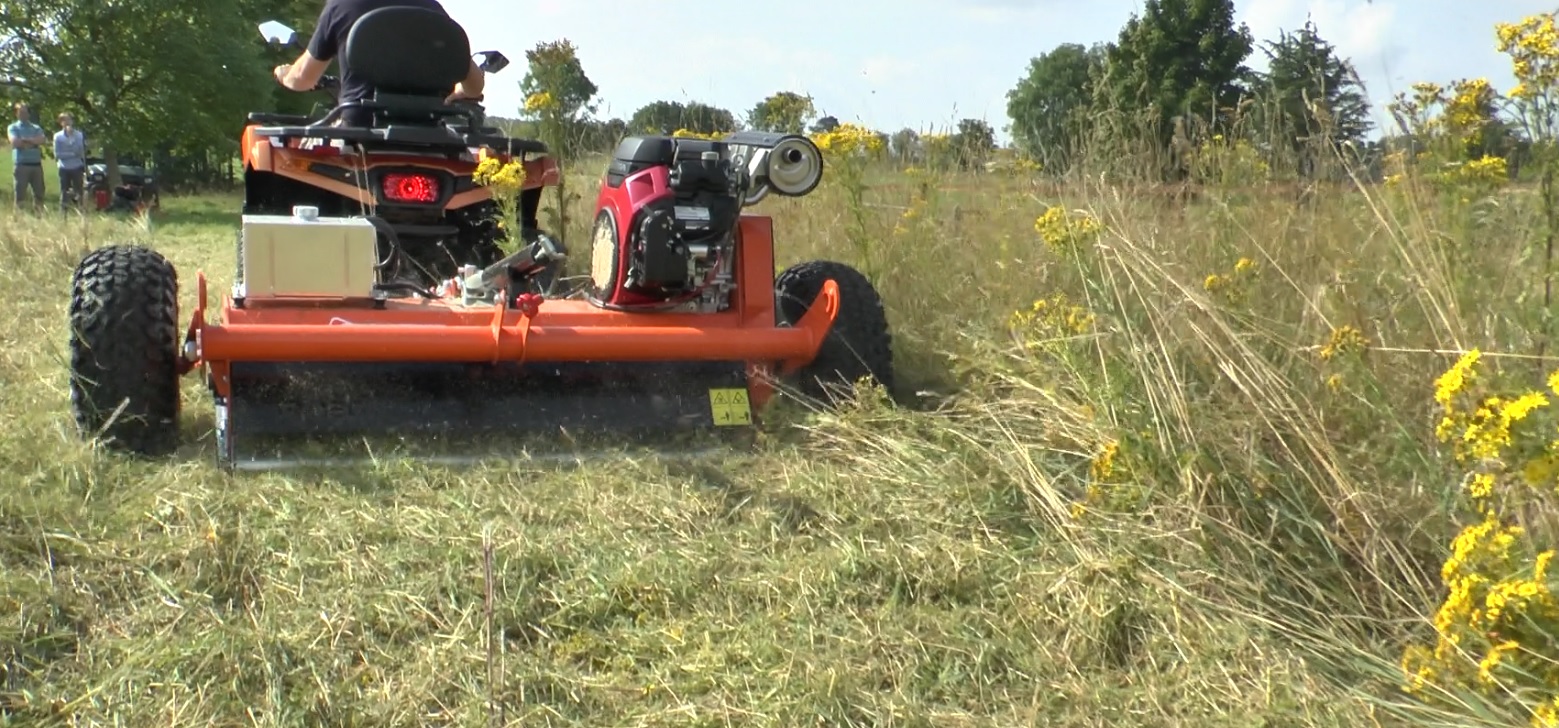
x,y
335,22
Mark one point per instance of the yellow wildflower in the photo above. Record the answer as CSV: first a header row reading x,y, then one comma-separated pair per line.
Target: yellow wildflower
x,y
689,133
1343,340
1455,379
1049,319
502,177
1103,464
848,140
540,102
1060,230
1492,660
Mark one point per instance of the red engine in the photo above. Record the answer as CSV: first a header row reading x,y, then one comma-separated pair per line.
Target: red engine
x,y
664,224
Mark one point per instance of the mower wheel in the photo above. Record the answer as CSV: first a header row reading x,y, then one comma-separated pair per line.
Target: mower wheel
x,y
124,349
859,345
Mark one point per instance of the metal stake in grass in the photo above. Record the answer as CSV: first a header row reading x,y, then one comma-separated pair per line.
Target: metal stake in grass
x,y
495,712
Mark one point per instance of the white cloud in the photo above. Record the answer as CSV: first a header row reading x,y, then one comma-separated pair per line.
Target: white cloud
x,y
1355,27
1265,17
1360,31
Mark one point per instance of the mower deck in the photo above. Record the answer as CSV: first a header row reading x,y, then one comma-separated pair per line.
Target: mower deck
x,y
342,413
285,369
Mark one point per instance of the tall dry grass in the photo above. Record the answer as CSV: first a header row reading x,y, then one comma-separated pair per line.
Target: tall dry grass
x,y
1159,498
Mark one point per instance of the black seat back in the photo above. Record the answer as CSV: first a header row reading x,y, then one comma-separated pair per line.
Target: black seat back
x,y
408,51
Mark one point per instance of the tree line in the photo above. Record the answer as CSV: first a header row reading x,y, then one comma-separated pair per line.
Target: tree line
x,y
170,82
556,70
1178,75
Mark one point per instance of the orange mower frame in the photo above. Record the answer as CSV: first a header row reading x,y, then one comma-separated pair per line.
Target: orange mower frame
x,y
539,330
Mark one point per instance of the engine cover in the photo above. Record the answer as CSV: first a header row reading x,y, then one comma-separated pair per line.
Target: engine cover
x,y
665,220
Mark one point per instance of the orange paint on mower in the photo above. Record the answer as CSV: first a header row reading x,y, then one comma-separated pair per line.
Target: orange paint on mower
x,y
345,329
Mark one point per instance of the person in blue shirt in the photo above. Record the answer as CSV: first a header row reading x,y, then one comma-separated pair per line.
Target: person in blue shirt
x,y
27,140
70,152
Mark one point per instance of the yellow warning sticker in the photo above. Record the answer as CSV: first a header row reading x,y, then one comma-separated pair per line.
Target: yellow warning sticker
x,y
730,407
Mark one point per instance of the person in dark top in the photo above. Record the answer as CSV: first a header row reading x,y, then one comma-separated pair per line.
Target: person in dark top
x,y
335,22
330,33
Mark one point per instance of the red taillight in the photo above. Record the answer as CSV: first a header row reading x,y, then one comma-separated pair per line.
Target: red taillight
x,y
409,187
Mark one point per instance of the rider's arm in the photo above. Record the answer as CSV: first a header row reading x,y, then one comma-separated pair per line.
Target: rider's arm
x,y
303,74
471,86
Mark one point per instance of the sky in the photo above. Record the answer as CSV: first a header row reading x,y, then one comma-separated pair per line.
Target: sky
x,y
925,64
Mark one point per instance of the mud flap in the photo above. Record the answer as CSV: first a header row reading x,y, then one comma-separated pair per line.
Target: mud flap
x,y
282,414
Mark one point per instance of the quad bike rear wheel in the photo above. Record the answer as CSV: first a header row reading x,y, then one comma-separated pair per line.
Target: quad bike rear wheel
x,y
124,339
859,346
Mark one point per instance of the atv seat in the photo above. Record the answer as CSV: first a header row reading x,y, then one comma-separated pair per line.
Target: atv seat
x,y
412,57
408,52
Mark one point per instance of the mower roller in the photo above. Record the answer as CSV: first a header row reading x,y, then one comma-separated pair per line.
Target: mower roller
x,y
376,295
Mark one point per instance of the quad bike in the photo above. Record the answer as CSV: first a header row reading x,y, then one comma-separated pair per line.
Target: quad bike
x,y
137,191
414,169
684,326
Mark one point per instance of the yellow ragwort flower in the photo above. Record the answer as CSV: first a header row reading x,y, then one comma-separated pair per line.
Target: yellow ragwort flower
x,y
1344,340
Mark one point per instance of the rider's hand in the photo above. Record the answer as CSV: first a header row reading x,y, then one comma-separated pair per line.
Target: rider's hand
x,y
280,72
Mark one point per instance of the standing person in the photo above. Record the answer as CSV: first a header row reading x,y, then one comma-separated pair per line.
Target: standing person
x,y
70,151
27,140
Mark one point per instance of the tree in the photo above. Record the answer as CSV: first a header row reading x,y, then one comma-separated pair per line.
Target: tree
x,y
604,135
1049,106
787,112
136,74
1180,59
555,70
905,145
973,143
665,117
558,97
706,119
825,125
1310,93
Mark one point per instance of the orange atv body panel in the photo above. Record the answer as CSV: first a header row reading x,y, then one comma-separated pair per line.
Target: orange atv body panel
x,y
296,159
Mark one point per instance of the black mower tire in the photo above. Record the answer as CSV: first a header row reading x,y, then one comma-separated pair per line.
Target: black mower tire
x,y
860,345
124,350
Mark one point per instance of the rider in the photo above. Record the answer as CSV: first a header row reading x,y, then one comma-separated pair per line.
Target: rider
x,y
330,33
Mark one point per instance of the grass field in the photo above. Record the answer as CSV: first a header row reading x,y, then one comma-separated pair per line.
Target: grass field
x,y
1164,499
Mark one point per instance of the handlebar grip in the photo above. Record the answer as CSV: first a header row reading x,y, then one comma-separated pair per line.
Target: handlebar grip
x,y
326,82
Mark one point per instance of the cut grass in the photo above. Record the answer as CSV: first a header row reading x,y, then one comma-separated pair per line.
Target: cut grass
x,y
1265,549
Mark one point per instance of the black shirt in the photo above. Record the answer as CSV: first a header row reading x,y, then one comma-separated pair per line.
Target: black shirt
x,y
335,22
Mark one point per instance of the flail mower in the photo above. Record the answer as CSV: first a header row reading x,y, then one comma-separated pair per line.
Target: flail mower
x,y
374,296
